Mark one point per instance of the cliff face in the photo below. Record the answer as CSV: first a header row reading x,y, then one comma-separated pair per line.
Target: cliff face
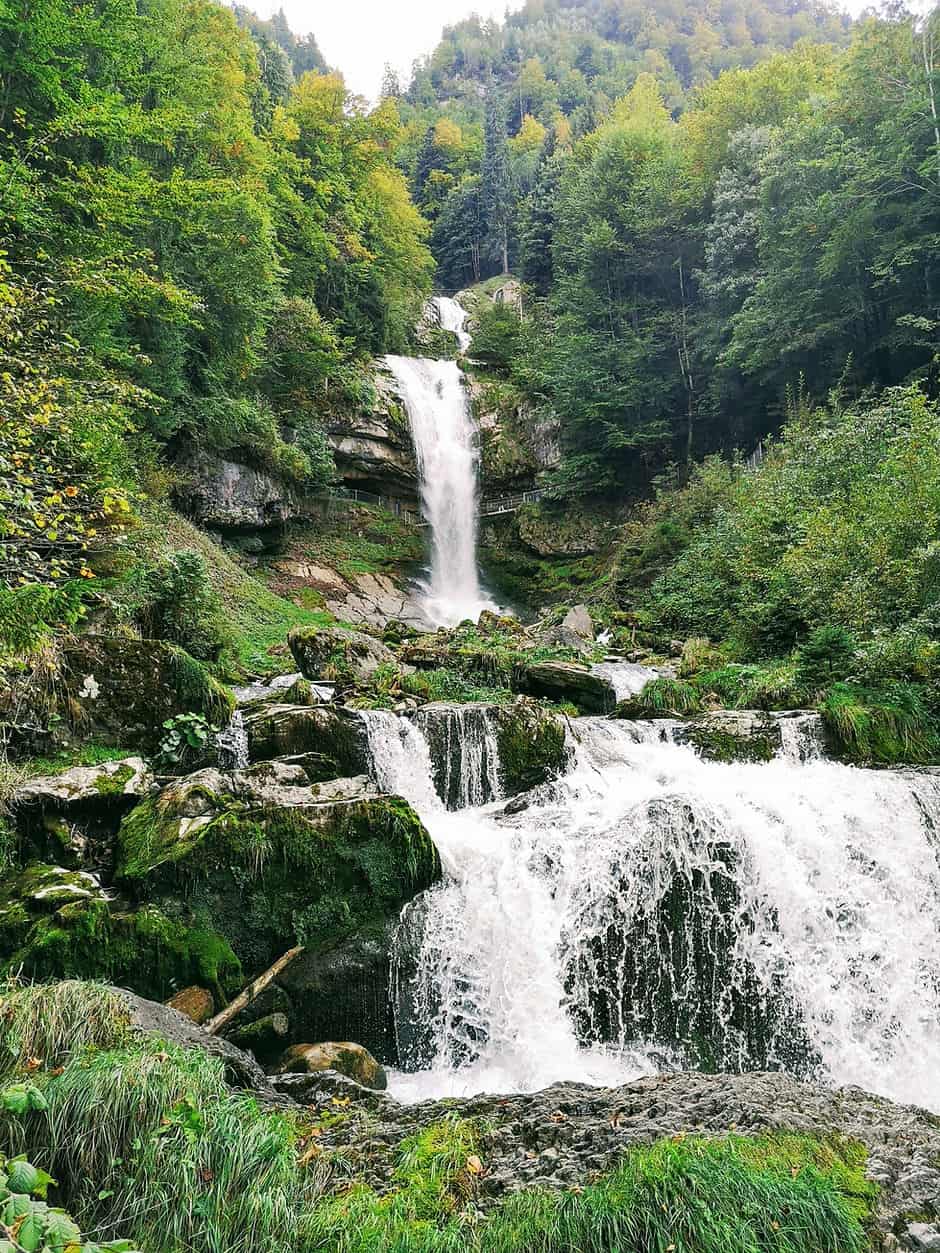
x,y
373,448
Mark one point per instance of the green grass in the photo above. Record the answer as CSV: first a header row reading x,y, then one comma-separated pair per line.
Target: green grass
x,y
149,1143
882,726
662,698
258,618
77,755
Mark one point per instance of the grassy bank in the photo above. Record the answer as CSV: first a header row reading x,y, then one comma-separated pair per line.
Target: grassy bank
x,y
147,1142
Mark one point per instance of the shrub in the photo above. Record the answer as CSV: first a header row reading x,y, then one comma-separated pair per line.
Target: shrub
x,y
887,725
825,657
497,336
662,697
175,601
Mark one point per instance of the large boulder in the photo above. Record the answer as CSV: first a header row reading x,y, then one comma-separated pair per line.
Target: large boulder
x,y
754,735
342,991
569,682
348,1059
223,494
120,691
270,875
574,631
338,653
331,739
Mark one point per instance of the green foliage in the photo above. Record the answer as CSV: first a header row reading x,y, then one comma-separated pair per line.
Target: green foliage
x,y
185,740
175,601
662,697
496,339
27,1222
884,725
445,683
825,656
173,1160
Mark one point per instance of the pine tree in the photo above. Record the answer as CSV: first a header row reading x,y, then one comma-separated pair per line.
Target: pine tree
x,y
497,185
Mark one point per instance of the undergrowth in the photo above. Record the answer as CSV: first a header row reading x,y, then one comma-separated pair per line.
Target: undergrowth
x,y
148,1143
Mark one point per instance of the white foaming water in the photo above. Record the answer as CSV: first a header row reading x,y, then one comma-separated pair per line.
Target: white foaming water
x,y
788,911
452,317
445,445
627,678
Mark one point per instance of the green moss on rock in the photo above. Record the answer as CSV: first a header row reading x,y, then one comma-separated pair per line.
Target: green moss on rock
x,y
271,877
532,746
717,745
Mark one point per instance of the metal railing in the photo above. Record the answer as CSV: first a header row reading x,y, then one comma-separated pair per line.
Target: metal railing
x,y
490,508
508,504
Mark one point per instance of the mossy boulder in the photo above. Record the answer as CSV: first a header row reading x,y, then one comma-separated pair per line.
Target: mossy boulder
x,y
754,735
571,683
198,1004
532,745
331,738
351,1060
120,691
338,653
58,924
271,876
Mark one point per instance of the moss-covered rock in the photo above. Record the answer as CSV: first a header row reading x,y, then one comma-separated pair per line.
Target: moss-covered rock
x,y
270,876
70,929
331,738
753,735
337,653
532,745
121,691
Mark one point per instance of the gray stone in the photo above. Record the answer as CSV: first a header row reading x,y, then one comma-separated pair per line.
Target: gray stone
x,y
110,784
924,1236
227,495
321,651
152,1018
569,681
336,735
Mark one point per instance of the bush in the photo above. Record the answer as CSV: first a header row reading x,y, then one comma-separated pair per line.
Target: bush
x,y
884,726
497,336
826,656
177,602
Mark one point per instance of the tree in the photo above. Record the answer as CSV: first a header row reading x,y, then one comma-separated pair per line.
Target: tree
x,y
496,184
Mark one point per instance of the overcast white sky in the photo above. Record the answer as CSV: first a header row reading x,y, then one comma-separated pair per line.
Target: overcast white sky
x,y
360,36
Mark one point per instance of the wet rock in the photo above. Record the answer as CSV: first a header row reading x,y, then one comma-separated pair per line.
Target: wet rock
x,y
264,1036
373,450
343,992
575,631
754,735
335,735
569,682
195,1003
348,1059
923,1236
271,876
120,691
335,652
322,1087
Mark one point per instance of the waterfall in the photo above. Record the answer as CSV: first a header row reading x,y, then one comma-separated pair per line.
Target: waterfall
x,y
231,744
452,317
445,445
654,910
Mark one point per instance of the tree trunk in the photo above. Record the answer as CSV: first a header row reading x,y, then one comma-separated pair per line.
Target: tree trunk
x,y
254,990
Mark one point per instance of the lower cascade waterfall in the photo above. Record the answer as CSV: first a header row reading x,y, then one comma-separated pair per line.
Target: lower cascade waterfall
x,y
446,448
652,910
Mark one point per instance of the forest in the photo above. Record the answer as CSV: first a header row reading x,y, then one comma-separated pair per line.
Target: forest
x,y
340,913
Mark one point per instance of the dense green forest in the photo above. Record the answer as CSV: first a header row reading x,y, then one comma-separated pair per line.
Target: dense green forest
x,y
691,256
202,242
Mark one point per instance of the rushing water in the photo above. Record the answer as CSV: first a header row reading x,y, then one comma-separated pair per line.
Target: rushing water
x,y
446,448
654,910
452,317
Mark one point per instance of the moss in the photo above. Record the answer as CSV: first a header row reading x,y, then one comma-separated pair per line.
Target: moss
x,y
532,747
143,950
113,784
198,690
79,755
717,745
270,878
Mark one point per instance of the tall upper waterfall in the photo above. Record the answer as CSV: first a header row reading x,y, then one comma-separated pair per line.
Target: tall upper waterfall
x,y
446,448
652,910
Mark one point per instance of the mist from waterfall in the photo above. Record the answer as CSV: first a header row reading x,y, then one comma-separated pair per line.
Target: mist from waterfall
x,y
445,443
652,910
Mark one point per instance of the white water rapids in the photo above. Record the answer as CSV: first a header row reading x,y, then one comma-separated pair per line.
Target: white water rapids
x,y
446,449
653,910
